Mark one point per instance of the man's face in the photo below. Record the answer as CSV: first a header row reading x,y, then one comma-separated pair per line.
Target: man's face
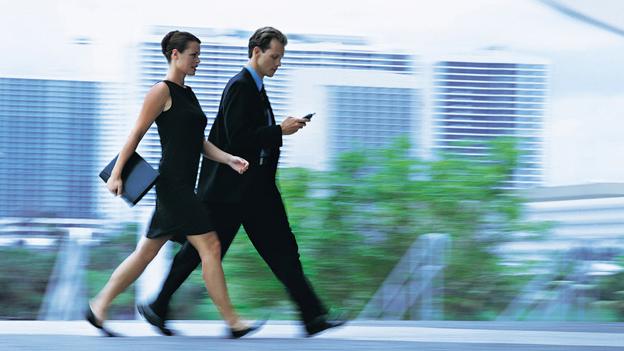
x,y
269,61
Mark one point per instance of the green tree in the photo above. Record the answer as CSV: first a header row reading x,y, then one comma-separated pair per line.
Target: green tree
x,y
357,221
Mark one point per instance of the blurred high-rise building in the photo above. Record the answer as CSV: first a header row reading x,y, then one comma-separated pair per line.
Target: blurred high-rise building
x,y
355,109
49,142
476,98
117,115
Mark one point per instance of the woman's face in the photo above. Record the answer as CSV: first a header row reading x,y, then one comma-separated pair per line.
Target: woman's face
x,y
187,60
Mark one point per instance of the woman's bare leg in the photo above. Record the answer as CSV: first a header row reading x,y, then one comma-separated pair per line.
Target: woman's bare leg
x,y
209,249
125,274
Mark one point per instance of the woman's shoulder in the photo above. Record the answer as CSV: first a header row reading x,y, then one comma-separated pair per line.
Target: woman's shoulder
x,y
160,89
158,94
163,85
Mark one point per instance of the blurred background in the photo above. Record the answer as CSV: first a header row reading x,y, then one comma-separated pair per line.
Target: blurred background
x,y
462,163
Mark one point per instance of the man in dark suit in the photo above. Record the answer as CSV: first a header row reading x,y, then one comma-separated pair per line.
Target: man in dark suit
x,y
245,126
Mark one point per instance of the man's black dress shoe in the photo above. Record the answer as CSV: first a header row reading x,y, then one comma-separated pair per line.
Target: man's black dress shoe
x,y
90,317
321,323
235,334
154,319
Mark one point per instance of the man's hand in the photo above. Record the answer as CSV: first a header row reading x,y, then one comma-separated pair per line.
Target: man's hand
x,y
291,125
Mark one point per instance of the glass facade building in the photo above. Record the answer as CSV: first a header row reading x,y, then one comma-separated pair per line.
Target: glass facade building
x,y
48,148
356,109
475,100
369,117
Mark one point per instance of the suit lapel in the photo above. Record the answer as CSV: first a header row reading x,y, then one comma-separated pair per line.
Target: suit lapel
x,y
260,98
265,100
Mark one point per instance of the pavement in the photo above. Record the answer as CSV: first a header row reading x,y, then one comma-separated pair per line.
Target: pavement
x,y
288,336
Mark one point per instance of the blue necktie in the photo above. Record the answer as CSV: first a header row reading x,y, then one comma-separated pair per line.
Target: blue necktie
x,y
264,153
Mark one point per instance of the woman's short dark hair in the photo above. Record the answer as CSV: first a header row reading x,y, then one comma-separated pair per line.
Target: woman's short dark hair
x,y
262,38
176,40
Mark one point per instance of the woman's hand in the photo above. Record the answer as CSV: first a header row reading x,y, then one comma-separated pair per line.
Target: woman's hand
x,y
238,164
115,185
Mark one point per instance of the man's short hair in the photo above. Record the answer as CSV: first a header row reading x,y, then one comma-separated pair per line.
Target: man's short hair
x,y
262,38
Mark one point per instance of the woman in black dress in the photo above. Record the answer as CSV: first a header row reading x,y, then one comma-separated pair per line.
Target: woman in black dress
x,y
179,214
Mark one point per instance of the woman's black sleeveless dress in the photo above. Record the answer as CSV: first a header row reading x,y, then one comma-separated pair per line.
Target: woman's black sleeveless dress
x,y
179,212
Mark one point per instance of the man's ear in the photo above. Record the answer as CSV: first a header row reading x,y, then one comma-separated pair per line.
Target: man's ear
x,y
256,51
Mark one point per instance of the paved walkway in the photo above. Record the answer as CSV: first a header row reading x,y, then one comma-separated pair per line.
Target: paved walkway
x,y
286,335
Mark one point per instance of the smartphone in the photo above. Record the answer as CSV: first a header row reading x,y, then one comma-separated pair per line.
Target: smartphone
x,y
309,115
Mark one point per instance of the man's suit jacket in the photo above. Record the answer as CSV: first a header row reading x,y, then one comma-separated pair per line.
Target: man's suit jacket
x,y
241,128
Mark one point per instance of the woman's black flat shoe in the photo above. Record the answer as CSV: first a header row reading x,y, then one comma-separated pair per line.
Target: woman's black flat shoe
x,y
236,334
90,317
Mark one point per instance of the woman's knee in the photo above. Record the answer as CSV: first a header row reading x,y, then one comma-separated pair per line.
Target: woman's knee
x,y
212,245
146,252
